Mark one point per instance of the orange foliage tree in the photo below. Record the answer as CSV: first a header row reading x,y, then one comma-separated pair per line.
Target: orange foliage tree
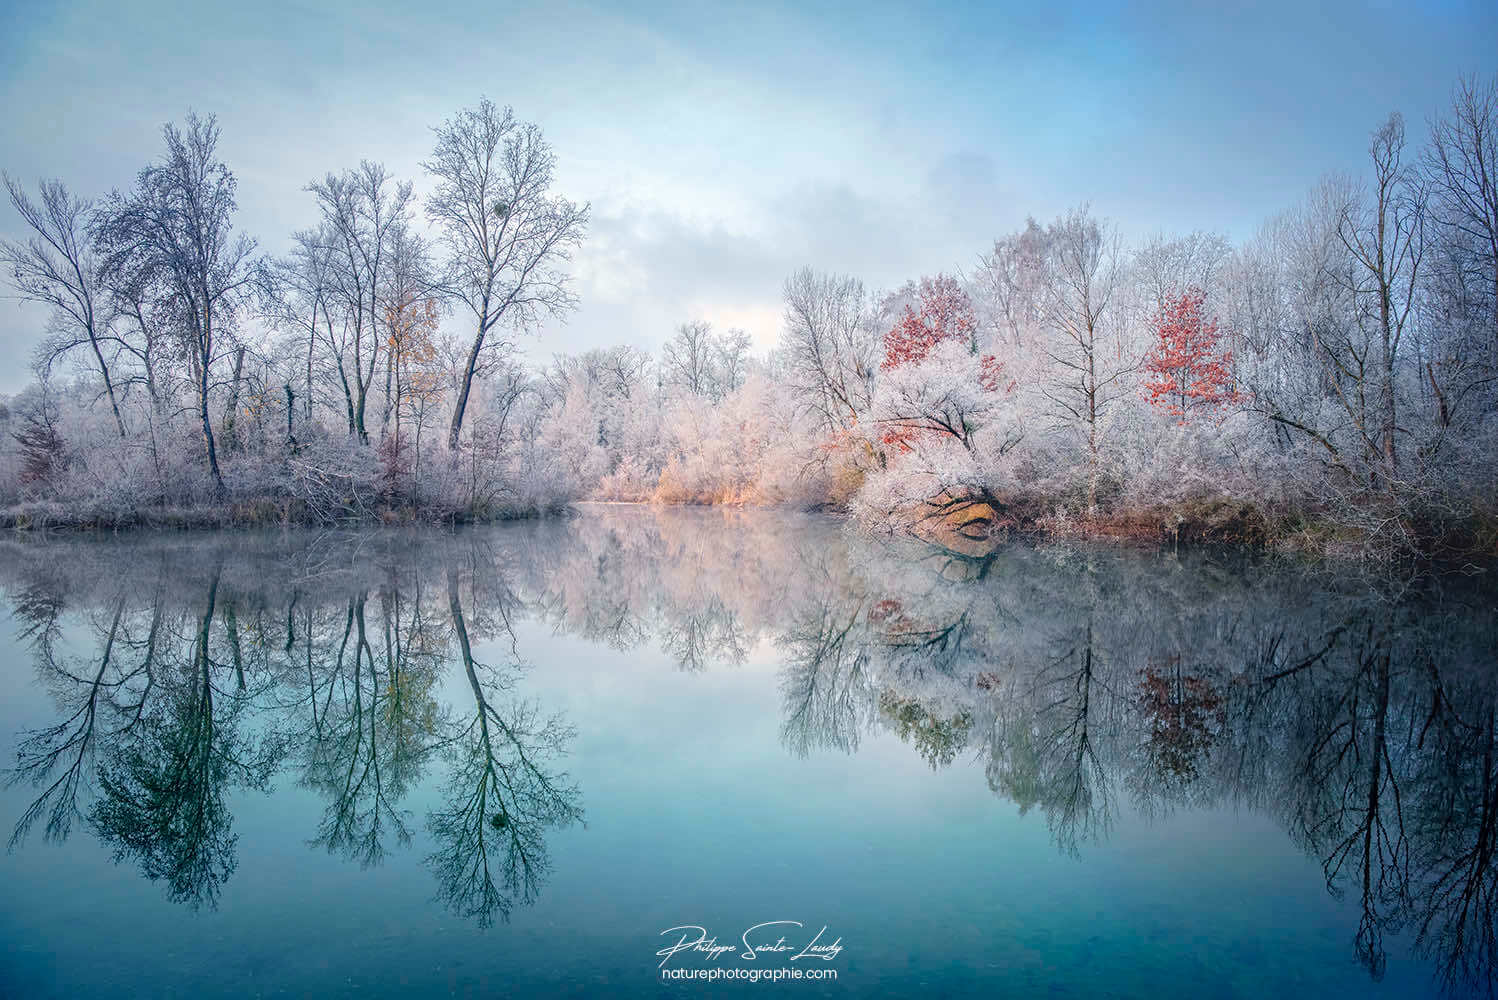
x,y
1186,369
411,322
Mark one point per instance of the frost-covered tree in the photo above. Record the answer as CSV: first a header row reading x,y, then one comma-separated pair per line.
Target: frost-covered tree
x,y
829,347
1383,230
1011,278
366,215
173,234
505,238
1088,358
689,358
58,268
1461,170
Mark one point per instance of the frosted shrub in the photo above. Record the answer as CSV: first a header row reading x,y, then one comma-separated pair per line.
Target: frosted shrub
x,y
337,479
569,442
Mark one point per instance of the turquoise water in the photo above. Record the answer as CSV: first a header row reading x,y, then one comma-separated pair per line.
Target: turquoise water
x,y
502,761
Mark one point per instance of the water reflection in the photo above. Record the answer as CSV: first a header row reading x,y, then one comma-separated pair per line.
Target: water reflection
x,y
1081,683
178,685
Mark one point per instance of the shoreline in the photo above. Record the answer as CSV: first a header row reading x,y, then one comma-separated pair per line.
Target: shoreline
x,y
1220,525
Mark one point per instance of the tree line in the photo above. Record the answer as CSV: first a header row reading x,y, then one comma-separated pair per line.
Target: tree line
x,y
1332,380
179,329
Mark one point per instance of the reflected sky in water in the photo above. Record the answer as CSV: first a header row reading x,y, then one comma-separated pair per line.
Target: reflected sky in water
x,y
501,761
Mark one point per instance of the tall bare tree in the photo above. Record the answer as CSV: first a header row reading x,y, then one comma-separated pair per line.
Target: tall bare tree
x,y
364,214
506,238
296,298
1461,165
731,359
409,310
1384,232
829,346
58,268
1082,272
175,228
1167,267
1011,278
687,359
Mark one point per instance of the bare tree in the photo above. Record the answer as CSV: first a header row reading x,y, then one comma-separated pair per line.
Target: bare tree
x,y
1385,234
1461,165
296,291
1166,268
160,353
57,268
1011,279
506,238
621,369
731,360
364,215
1082,273
175,228
1307,347
829,347
687,359
617,372
409,314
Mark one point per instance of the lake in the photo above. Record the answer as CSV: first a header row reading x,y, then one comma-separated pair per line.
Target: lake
x,y
614,754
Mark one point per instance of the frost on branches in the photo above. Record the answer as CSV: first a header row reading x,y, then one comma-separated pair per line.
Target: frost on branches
x,y
372,372
946,313
945,422
1185,370
938,399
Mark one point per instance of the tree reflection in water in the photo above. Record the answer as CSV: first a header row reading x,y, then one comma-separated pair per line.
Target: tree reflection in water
x,y
1081,682
180,683
501,794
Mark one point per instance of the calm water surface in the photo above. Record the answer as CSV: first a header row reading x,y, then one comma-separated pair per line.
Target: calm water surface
x,y
503,761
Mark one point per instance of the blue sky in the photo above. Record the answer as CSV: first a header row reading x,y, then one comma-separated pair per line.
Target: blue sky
x,y
722,146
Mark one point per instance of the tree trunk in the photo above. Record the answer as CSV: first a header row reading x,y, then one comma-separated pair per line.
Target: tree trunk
x,y
108,383
389,375
1441,409
348,395
348,399
359,408
1092,450
212,452
1386,390
290,402
231,409
311,344
202,358
360,382
463,390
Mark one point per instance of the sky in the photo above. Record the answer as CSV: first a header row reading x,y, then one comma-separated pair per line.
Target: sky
x,y
723,146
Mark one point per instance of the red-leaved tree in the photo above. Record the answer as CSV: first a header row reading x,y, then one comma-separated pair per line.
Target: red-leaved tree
x,y
1186,370
946,313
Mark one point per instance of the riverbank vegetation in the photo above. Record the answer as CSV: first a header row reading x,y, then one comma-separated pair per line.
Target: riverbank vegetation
x,y
1329,384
